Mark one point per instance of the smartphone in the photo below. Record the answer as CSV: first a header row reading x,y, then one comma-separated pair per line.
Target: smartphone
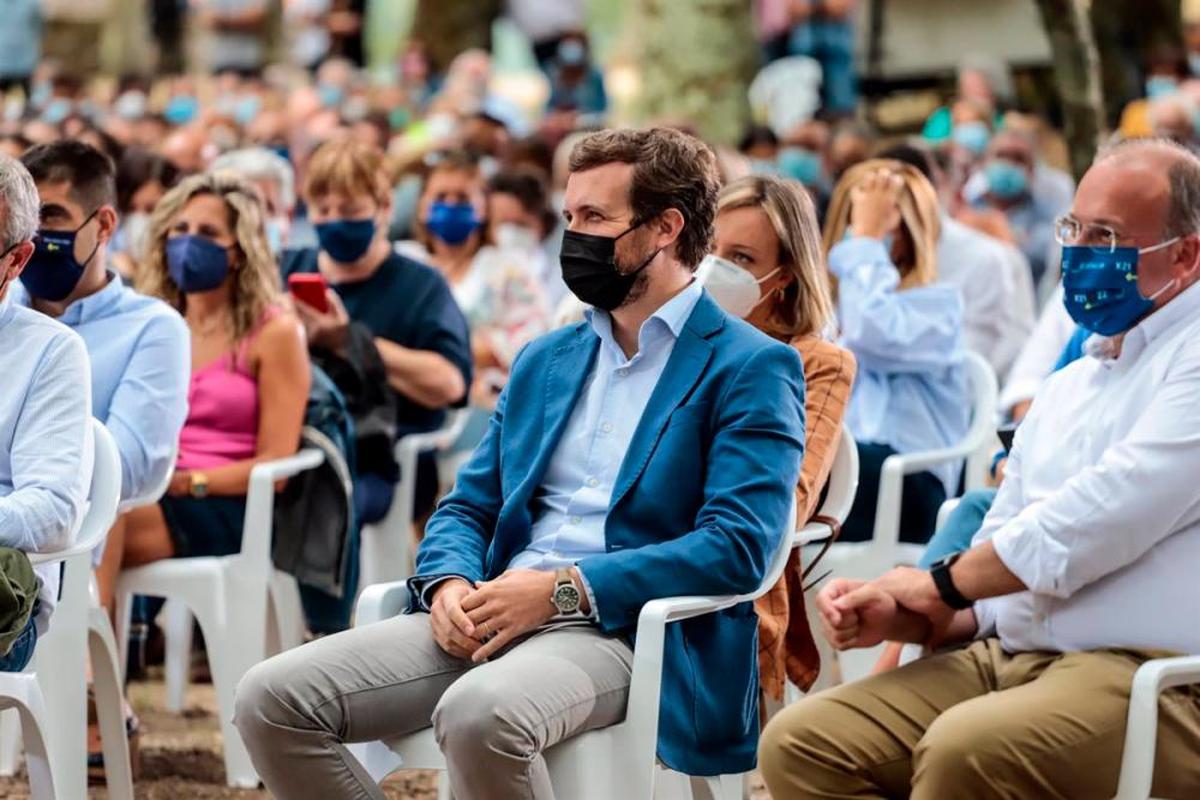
x,y
309,288
1006,435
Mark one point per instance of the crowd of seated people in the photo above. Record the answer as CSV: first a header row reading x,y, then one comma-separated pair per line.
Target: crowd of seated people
x,y
189,281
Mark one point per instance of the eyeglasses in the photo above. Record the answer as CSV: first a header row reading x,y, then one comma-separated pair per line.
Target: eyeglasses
x,y
1070,231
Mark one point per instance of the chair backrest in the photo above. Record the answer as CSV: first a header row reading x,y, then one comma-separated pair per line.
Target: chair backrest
x,y
984,397
154,493
843,479
103,497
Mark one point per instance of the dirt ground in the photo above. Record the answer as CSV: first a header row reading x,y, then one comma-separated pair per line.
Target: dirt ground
x,y
181,755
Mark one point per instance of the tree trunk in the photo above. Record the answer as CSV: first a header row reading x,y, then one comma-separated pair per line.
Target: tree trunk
x,y
1077,76
696,59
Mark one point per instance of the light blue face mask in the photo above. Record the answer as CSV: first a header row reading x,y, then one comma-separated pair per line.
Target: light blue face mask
x,y
800,164
1100,286
1160,86
972,137
1005,179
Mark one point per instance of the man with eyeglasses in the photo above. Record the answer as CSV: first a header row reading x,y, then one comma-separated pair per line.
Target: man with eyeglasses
x,y
1084,568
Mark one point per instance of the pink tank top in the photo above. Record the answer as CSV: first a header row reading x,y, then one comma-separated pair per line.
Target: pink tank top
x,y
222,420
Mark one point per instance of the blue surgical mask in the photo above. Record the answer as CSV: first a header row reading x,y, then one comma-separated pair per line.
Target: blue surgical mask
x,y
331,96
1005,179
196,264
53,272
571,53
763,166
181,109
971,136
1159,86
800,164
1100,287
346,240
453,223
246,109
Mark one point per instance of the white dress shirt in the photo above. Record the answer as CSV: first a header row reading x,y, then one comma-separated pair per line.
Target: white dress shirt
x,y
996,287
571,505
1099,511
45,437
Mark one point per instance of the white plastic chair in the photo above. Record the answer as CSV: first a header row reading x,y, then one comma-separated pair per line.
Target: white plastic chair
x,y
51,700
1141,730
884,551
244,606
615,762
386,547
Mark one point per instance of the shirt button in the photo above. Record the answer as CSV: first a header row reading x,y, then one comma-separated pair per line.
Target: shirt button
x,y
622,372
606,427
576,520
592,483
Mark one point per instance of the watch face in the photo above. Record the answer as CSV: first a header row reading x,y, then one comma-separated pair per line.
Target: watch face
x,y
566,598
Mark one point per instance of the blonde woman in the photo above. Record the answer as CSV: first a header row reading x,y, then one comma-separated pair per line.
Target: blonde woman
x,y
905,329
767,267
207,256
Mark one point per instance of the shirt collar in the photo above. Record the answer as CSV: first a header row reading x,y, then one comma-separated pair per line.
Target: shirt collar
x,y
671,316
85,309
1182,308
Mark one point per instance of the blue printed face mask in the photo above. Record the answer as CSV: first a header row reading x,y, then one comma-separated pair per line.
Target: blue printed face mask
x,y
972,137
346,240
453,223
196,264
1005,179
53,272
1100,286
800,164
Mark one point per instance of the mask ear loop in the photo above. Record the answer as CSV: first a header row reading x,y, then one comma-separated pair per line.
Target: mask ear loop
x,y
1154,249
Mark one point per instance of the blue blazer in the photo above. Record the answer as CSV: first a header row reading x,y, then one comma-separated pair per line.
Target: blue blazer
x,y
699,506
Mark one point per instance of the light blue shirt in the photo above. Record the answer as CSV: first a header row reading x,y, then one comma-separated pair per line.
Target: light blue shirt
x,y
141,357
45,438
571,506
911,391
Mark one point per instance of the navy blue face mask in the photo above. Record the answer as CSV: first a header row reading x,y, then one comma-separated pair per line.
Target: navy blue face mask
x,y
453,223
346,240
52,272
1100,287
196,264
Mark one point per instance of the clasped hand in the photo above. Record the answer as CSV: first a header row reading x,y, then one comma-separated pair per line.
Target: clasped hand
x,y
475,622
901,605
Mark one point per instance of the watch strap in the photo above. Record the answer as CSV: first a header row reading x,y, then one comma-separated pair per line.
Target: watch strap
x,y
951,596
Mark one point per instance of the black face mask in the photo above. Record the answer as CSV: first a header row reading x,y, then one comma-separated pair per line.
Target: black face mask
x,y
589,268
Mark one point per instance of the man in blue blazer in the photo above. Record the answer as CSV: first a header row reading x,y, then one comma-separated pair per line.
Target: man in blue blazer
x,y
650,451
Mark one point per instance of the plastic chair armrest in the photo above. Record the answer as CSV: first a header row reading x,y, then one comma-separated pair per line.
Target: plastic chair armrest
x,y
380,601
258,525
1141,731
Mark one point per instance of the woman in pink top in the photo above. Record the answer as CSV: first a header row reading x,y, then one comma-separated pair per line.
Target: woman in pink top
x,y
207,256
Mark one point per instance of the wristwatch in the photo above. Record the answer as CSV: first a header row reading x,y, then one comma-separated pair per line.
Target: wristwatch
x,y
199,487
566,595
951,596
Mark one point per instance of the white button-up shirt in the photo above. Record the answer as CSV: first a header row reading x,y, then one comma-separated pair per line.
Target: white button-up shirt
x,y
571,505
1099,512
45,437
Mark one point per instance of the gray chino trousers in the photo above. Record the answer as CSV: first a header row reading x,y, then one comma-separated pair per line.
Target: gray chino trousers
x,y
297,711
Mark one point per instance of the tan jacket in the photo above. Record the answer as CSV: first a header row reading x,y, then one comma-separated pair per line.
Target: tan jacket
x,y
785,643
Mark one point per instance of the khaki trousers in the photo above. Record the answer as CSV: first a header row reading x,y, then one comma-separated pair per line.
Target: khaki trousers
x,y
296,711
980,723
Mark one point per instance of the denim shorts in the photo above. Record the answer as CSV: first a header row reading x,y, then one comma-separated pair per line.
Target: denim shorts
x,y
22,648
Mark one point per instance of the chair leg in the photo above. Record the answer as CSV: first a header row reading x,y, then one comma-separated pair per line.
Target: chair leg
x,y
443,787
109,710
178,633
32,713
232,650
719,787
285,614
10,742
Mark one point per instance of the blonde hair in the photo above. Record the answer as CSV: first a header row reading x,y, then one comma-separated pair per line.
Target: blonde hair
x,y
350,167
805,306
920,216
256,287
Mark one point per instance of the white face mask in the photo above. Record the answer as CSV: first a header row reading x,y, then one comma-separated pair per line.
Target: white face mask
x,y
514,237
137,225
734,289
277,229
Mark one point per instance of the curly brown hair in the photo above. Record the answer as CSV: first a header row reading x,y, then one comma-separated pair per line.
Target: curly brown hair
x,y
671,169
257,286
